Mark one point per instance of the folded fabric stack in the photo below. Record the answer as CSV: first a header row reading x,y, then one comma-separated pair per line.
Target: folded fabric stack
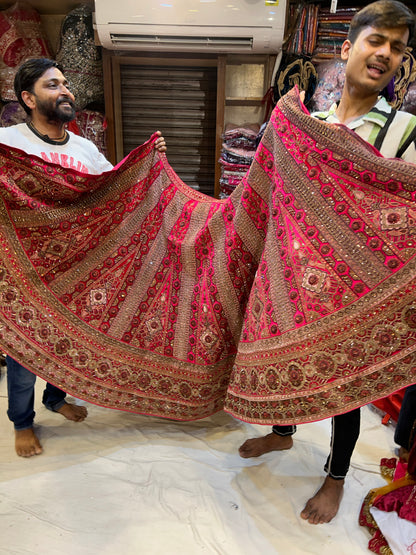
x,y
237,155
303,36
332,32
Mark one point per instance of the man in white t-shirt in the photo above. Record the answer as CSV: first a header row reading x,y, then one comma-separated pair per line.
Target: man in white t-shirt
x,y
42,90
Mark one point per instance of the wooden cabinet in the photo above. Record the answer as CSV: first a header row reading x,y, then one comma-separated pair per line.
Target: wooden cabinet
x,y
247,80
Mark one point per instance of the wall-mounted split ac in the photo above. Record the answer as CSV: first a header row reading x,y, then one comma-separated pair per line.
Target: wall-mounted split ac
x,y
221,26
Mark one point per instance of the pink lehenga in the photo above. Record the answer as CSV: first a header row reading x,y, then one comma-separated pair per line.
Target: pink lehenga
x,y
290,301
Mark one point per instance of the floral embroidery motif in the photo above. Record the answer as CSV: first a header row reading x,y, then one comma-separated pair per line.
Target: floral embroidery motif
x,y
395,218
314,280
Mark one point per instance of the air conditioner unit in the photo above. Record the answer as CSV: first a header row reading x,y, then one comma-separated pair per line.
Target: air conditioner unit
x,y
221,26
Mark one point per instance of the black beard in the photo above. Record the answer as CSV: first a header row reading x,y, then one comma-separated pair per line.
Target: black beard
x,y
55,114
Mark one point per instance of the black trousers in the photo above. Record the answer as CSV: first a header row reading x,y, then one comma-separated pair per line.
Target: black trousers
x,y
406,423
345,432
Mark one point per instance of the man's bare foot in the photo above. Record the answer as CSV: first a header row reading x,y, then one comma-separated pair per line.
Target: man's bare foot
x,y
324,505
260,445
73,412
403,454
26,443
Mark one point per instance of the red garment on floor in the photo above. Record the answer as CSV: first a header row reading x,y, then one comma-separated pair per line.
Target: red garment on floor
x,y
398,496
391,405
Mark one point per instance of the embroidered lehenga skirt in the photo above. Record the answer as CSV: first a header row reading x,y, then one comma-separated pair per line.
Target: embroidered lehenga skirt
x,y
290,301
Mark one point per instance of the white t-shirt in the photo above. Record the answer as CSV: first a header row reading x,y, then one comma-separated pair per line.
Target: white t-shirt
x,y
77,153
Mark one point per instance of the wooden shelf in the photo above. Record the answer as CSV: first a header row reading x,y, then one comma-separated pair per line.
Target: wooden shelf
x,y
233,101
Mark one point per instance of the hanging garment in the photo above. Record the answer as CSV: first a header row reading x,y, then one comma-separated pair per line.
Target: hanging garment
x,y
81,57
21,37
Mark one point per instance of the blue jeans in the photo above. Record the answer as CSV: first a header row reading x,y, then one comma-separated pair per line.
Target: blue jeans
x,y
21,391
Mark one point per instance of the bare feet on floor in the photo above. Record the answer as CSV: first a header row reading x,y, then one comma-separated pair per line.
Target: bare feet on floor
x,y
73,412
260,445
26,443
324,505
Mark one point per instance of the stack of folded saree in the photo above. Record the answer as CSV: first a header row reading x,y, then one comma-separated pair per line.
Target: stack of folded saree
x,y
303,36
237,155
332,32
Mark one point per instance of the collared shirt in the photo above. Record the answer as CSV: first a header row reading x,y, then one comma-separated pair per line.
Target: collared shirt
x,y
391,131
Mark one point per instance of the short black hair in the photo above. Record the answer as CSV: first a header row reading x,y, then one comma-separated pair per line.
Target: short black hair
x,y
384,14
27,75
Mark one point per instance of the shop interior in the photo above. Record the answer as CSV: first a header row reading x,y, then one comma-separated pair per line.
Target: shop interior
x,y
132,483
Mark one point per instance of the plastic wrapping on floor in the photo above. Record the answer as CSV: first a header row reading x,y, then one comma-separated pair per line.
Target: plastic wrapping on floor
x,y
132,484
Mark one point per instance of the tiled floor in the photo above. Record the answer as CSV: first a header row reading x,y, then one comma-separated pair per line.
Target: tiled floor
x,y
126,484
